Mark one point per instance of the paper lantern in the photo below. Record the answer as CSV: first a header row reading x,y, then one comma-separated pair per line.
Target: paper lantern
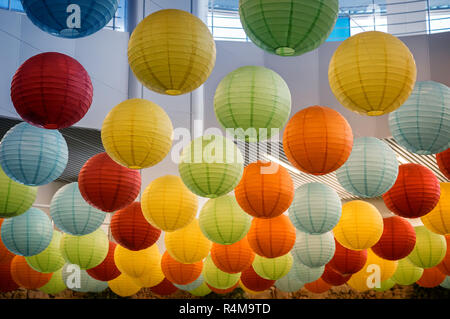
x,y
5,255
317,140
371,169
15,198
438,220
211,166
201,291
51,90
55,285
397,241
415,192
444,266
153,274
107,185
385,285
422,124
86,251
314,250
290,282
360,226
28,234
443,161
254,101
273,268
50,260
223,291
171,52
79,280
318,287
72,214
430,248
218,278
188,245
271,238
124,286
431,278
193,285
316,208
407,273
137,134
233,258
33,156
249,291
266,190
255,282
334,278
164,288
138,263
7,283
288,28
446,283
223,221
355,77
178,273
107,269
346,261
25,276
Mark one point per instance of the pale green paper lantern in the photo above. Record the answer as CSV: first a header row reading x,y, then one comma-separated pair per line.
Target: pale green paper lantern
x,y
218,278
430,248
407,273
193,285
290,282
446,283
55,285
314,250
78,280
306,274
273,268
51,259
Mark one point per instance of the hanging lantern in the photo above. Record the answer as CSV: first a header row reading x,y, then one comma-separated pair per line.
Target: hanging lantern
x,y
178,273
430,248
15,198
5,255
138,263
50,260
306,274
233,258
51,90
153,274
171,52
218,278
251,280
193,285
254,101
201,291
223,291
371,169
318,287
422,124
211,166
107,269
443,161
355,77
55,285
290,282
444,266
25,276
79,280
446,283
124,286
346,261
273,268
317,140
407,273
7,283
316,208
314,250
431,278
438,220
33,156
137,134
385,285
164,288
266,190
249,291
332,277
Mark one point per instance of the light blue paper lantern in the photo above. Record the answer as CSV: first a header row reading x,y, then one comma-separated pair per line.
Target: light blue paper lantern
x,y
72,214
316,208
290,282
79,280
314,250
193,285
446,283
371,169
422,123
33,156
28,234
306,274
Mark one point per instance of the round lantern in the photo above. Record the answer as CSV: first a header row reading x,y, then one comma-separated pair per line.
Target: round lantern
x,y
288,28
7,283
371,169
211,166
306,274
446,283
223,291
273,268
15,198
407,273
334,278
168,204
86,251
25,276
74,19
422,124
188,245
223,221
438,220
346,261
318,287
51,90
444,266
266,190
50,260
317,140
164,288
153,274
249,292
33,156
107,269
385,285
137,134
107,185
178,273
218,278
251,280
254,101
201,290
137,264
28,234
430,248
431,278
397,241
193,285
290,282
72,214
55,285
271,238
5,254
443,161
171,52
356,80
233,258
124,286
79,280
316,208
314,250
360,226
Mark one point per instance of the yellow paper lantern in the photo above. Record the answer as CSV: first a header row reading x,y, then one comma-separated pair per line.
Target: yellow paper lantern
x,y
372,73
137,264
153,275
438,220
172,52
124,286
137,134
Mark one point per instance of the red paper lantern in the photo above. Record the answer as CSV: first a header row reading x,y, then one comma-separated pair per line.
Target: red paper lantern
x,y
222,291
131,230
5,255
397,241
443,161
444,266
318,287
179,273
7,282
332,277
164,288
107,185
346,261
27,277
51,90
415,192
431,277
233,258
251,280
107,270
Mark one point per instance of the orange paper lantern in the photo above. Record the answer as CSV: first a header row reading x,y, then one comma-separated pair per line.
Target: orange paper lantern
x,y
251,280
164,288
27,277
444,266
318,287
431,277
179,273
7,282
233,258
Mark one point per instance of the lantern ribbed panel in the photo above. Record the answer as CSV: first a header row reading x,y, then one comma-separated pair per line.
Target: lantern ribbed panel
x,y
50,260
316,208
211,166
233,258
431,278
273,268
164,288
193,285
15,198
137,134
444,266
371,169
446,283
430,248
422,124
25,276
6,255
385,285
223,221
201,290
372,73
218,278
252,98
266,190
178,273
334,278
33,156
288,27
107,269
137,263
171,52
124,286
347,261
306,274
290,282
55,285
438,220
314,250
317,140
51,90
85,284
407,273
318,287
251,280
28,234
223,291
72,214
7,283
443,161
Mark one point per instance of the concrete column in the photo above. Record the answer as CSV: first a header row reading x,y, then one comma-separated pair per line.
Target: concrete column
x,y
406,19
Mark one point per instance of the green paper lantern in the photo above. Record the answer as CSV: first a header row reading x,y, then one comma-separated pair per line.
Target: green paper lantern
x,y
385,285
407,273
254,101
55,285
290,282
273,268
79,280
306,274
201,291
430,248
50,260
216,277
211,166
288,27
314,250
